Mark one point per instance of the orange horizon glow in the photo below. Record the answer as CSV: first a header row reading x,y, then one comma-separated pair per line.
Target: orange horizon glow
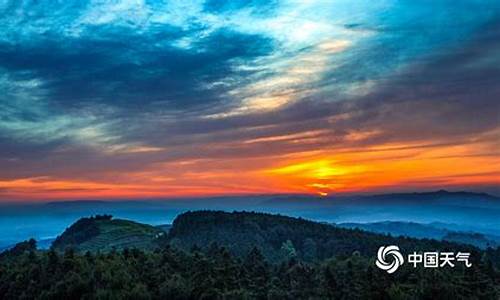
x,y
378,168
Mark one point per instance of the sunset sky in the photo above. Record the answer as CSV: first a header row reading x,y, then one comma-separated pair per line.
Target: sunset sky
x,y
145,99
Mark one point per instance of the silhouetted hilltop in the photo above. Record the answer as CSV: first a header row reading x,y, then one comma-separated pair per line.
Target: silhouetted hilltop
x,y
277,236
104,233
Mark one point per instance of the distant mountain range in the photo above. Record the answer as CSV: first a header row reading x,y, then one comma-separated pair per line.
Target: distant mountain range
x,y
461,212
477,212
436,231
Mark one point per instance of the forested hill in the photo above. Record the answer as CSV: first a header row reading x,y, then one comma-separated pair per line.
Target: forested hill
x,y
279,237
240,255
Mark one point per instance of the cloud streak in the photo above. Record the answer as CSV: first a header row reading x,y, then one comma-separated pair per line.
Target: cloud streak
x,y
153,98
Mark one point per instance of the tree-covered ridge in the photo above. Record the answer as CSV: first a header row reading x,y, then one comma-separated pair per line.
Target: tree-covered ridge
x,y
169,273
277,235
102,233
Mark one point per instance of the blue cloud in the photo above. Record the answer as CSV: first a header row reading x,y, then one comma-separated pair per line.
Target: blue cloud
x,y
258,7
83,78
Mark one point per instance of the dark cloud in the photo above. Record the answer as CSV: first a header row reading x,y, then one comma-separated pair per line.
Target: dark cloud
x,y
158,86
453,93
121,69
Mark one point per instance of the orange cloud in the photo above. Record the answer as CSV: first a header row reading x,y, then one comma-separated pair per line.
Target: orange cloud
x,y
387,166
377,168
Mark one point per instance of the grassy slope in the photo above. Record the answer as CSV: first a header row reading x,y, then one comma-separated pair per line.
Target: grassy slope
x,y
117,234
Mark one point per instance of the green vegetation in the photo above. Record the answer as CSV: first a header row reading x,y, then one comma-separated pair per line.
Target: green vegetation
x,y
203,258
239,232
102,233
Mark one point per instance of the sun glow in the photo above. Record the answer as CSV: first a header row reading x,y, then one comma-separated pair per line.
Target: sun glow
x,y
386,165
321,169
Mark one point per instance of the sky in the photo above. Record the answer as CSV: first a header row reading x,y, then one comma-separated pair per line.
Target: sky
x,y
145,99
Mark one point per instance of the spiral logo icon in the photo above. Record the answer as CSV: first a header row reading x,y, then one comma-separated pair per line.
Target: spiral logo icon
x,y
389,258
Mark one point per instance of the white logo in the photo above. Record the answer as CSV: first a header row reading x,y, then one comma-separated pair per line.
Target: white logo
x,y
396,258
389,258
